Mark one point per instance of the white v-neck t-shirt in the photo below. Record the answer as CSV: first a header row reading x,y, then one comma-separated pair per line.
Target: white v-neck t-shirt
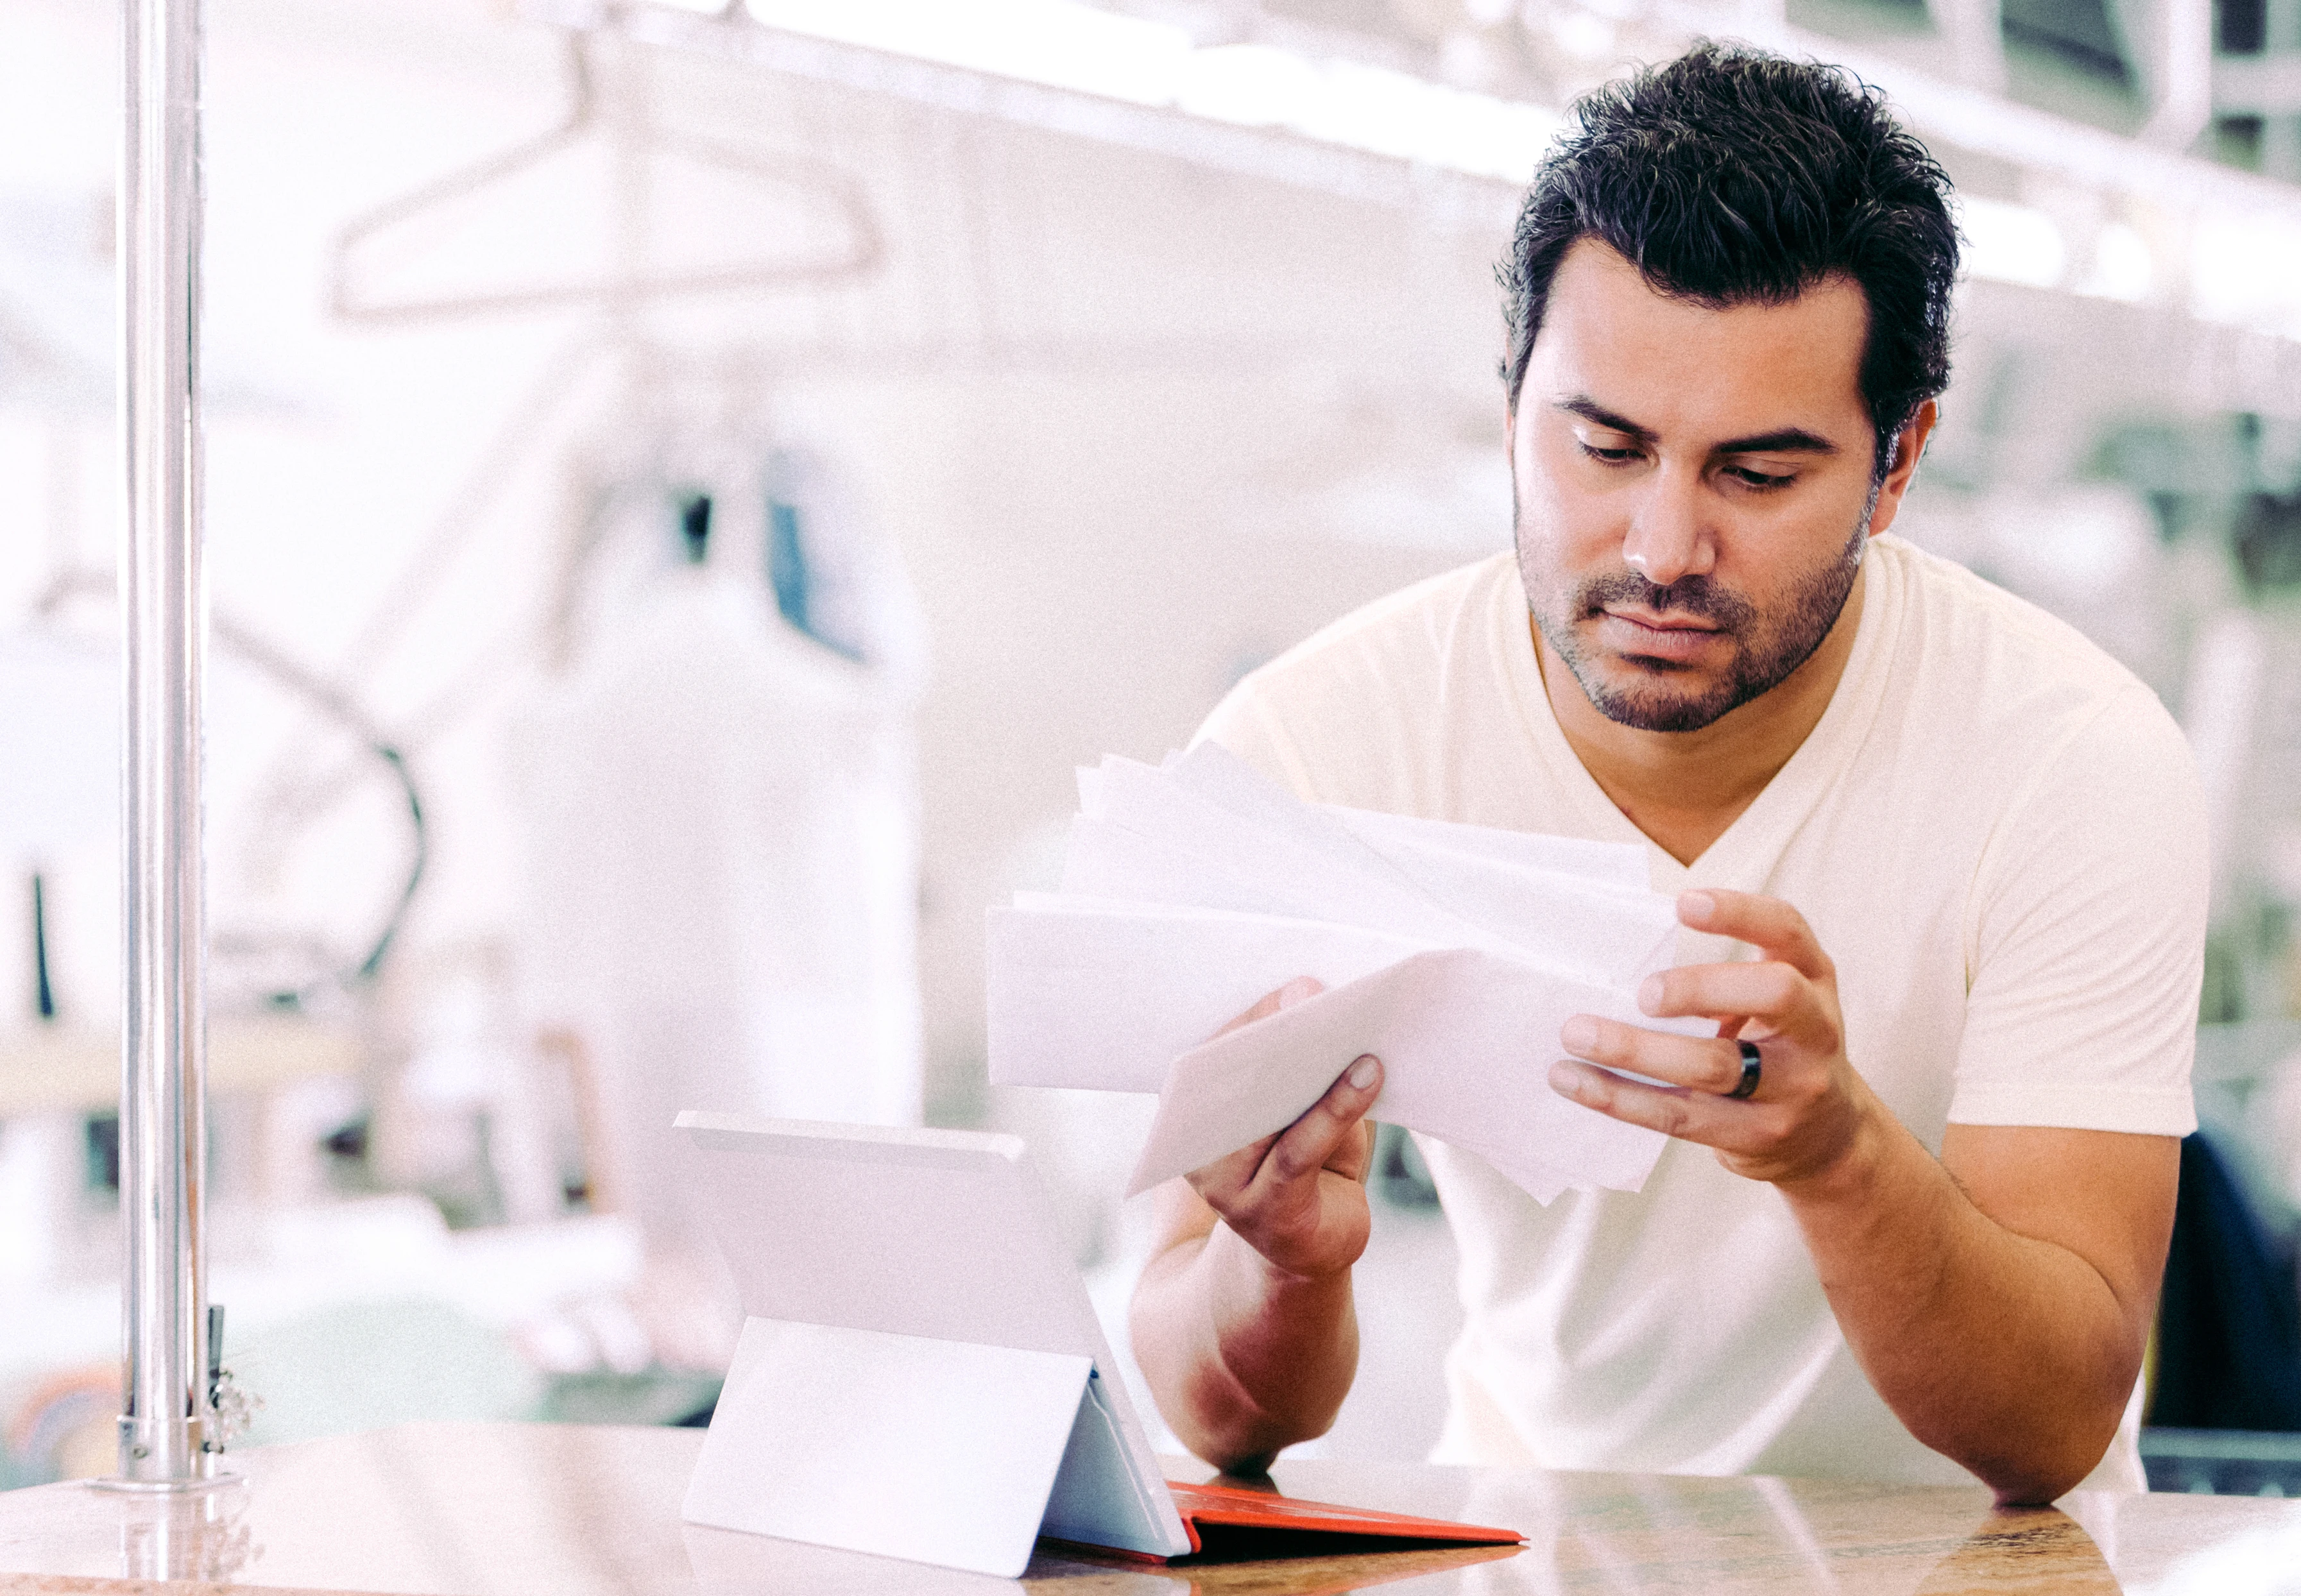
x,y
1996,834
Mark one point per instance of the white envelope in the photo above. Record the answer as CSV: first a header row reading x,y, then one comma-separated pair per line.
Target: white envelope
x,y
1615,863
1300,858
1111,996
1466,1041
1454,953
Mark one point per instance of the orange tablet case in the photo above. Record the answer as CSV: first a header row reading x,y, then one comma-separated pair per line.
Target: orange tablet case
x,y
1237,1521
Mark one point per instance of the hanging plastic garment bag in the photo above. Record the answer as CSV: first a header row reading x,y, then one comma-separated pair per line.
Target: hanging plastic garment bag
x,y
722,863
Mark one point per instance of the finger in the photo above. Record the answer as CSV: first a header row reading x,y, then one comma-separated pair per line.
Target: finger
x,y
1230,1180
1766,924
1305,1147
1224,1182
1673,1110
1778,997
1270,1003
1221,1183
1704,1064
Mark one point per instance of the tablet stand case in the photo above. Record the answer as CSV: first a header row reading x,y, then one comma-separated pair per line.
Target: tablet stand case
x,y
962,1455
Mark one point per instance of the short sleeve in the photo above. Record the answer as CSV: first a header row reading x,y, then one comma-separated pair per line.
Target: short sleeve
x,y
2085,941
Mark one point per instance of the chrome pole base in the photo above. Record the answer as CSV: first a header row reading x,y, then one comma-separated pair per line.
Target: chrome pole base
x,y
215,1481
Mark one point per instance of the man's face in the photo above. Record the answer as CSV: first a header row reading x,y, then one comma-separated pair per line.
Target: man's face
x,y
1692,487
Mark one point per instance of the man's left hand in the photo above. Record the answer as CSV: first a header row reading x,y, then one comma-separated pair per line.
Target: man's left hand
x,y
1811,1105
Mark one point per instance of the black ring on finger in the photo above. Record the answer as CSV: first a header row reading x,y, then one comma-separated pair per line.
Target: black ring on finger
x,y
1752,1062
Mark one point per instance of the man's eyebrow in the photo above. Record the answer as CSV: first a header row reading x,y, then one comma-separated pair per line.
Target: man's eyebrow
x,y
1597,415
1781,440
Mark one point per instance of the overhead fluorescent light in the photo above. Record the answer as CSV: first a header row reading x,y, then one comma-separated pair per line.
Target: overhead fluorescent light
x,y
2011,243
1067,45
2235,266
1058,43
1253,85
2123,266
2242,271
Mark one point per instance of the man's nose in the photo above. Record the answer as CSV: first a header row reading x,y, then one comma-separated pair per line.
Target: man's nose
x,y
1668,537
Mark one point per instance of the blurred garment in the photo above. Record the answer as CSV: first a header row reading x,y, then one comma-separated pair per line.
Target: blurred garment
x,y
722,871
59,743
2273,1122
2228,1328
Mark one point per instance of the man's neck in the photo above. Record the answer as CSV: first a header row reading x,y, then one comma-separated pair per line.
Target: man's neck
x,y
1684,788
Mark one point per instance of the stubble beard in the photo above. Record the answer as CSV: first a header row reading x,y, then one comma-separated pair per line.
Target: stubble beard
x,y
1769,647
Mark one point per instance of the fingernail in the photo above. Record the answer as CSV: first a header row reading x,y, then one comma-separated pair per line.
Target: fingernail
x,y
1578,1034
1362,1073
1650,995
1694,906
1565,1080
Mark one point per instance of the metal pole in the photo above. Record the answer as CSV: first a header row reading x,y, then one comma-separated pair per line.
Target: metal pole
x,y
165,1431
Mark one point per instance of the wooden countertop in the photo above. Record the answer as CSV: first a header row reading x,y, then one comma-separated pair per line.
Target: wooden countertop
x,y
574,1510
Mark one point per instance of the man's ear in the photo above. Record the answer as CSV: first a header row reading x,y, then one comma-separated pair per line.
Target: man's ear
x,y
1908,449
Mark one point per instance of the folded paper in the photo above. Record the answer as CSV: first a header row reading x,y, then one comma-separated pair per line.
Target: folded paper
x,y
1466,1041
1453,953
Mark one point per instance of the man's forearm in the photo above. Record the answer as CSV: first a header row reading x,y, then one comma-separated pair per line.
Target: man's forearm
x,y
1243,1357
2010,1355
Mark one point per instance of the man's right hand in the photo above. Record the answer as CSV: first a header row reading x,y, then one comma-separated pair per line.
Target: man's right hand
x,y
1243,1320
1298,1196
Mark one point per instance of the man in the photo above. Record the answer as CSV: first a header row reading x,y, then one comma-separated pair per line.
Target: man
x,y
1940,865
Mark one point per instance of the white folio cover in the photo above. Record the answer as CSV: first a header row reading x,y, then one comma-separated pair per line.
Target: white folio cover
x,y
1102,1494
939,1452
942,1239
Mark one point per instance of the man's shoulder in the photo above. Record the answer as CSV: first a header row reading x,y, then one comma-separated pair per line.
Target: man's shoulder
x,y
1351,714
2000,656
2023,702
1399,636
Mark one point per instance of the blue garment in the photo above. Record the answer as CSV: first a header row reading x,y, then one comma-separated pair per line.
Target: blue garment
x,y
2229,1327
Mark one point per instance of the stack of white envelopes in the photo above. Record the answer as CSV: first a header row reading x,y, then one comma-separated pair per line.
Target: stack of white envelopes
x,y
1453,953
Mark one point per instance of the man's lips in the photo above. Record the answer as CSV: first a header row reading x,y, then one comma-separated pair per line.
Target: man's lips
x,y
1655,636
1659,623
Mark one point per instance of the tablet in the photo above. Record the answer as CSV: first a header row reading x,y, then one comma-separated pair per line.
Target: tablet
x,y
945,1235
922,1375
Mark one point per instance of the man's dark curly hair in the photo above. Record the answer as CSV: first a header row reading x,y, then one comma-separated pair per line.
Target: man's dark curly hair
x,y
1731,176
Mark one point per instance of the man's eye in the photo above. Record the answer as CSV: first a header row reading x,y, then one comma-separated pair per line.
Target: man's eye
x,y
1610,456
1749,478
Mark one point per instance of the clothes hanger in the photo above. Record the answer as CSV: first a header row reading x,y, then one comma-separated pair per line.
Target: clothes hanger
x,y
351,298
